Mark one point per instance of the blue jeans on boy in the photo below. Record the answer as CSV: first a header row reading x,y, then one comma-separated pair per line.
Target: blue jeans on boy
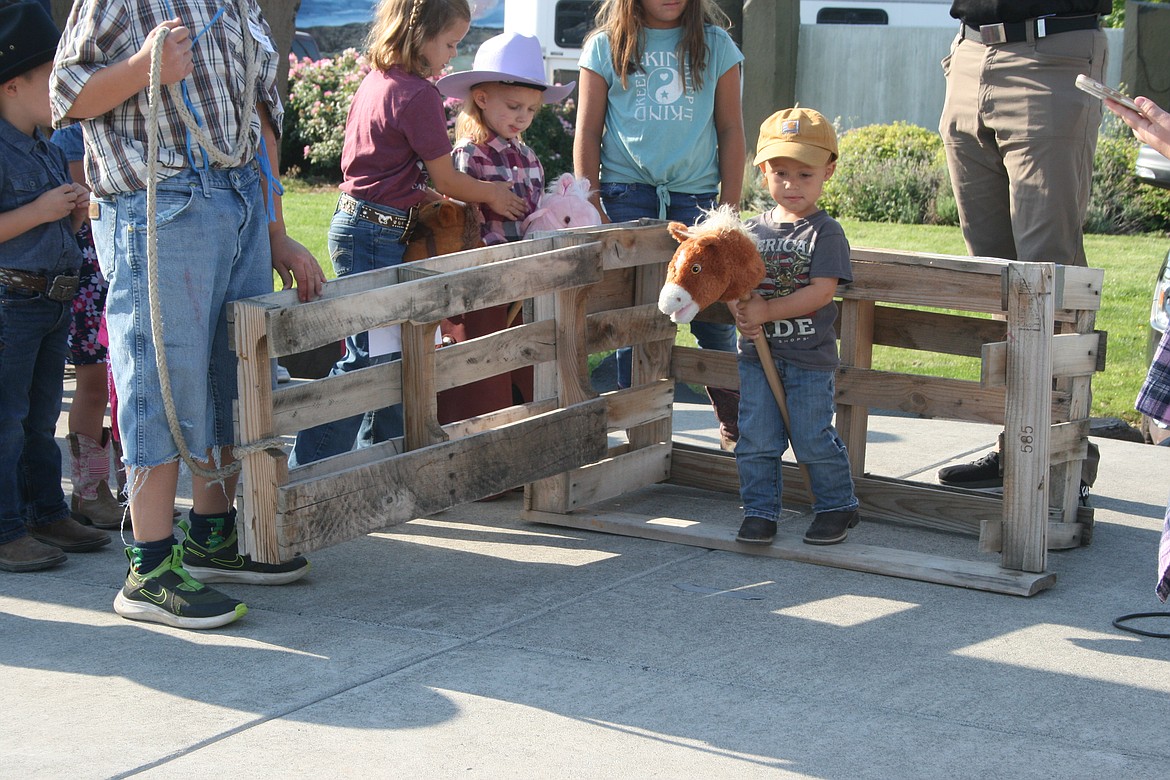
x,y
356,245
33,331
627,202
213,249
763,440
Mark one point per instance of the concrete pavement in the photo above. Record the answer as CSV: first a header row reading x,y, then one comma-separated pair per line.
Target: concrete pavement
x,y
471,644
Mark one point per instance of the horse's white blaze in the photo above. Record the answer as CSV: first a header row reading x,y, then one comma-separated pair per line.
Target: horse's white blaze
x,y
677,302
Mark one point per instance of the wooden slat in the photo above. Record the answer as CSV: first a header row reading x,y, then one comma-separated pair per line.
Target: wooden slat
x,y
1078,288
351,503
924,285
704,367
952,334
857,320
505,416
623,327
788,546
420,406
1025,440
936,507
615,290
307,404
639,405
298,328
618,475
651,359
651,244
1073,354
262,471
572,351
495,353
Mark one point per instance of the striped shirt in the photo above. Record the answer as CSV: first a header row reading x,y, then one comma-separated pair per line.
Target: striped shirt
x,y
99,33
500,160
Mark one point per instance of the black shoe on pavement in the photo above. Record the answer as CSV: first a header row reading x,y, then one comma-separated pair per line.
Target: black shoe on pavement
x,y
983,473
756,530
831,527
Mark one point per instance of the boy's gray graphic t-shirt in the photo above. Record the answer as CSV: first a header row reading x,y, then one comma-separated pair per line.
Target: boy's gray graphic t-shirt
x,y
794,253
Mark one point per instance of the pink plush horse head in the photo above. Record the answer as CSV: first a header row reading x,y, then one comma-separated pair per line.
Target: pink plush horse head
x,y
564,204
716,260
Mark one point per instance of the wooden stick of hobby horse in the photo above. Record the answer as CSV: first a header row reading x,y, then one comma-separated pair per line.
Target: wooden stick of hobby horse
x,y
764,352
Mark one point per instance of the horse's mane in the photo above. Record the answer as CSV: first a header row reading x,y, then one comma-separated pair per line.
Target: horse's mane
x,y
722,219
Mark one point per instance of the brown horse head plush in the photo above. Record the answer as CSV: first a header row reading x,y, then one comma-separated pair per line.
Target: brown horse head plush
x,y
716,260
442,227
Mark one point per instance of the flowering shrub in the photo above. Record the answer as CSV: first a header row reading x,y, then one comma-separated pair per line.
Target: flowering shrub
x,y
319,94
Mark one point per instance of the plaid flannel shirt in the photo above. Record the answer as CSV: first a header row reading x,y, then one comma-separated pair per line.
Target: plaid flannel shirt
x,y
99,33
500,160
1154,398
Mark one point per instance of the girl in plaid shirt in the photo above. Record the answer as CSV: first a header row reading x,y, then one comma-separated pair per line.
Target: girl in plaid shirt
x,y
501,95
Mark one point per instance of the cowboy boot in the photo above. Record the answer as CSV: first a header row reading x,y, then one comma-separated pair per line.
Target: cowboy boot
x,y
92,503
726,405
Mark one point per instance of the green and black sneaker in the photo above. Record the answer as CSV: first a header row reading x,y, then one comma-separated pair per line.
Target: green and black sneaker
x,y
223,563
171,596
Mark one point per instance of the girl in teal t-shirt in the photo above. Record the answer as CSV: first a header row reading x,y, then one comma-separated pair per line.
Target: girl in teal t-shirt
x,y
660,129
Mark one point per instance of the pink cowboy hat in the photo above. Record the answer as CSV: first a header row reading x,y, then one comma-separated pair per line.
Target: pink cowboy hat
x,y
510,58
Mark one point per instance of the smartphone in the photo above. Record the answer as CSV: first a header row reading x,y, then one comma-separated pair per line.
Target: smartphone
x,y
1099,90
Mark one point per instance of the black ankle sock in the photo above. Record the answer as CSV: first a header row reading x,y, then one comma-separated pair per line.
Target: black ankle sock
x,y
150,554
211,530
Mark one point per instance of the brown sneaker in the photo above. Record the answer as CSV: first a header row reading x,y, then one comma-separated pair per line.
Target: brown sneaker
x,y
27,554
69,535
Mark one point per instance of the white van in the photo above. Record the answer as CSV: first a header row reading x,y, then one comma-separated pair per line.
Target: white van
x,y
561,25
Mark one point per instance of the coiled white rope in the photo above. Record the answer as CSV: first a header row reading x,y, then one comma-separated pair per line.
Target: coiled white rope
x,y
231,159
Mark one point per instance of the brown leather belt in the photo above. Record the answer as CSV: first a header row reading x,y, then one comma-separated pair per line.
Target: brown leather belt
x,y
1029,29
60,289
404,222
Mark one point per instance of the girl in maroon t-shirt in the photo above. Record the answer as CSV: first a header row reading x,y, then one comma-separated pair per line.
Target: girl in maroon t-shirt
x,y
395,139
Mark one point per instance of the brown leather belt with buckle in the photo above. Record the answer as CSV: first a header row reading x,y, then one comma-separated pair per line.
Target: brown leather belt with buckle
x,y
1029,29
357,208
60,289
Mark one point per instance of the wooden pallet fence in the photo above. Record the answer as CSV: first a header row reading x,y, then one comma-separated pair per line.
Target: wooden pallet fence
x,y
595,289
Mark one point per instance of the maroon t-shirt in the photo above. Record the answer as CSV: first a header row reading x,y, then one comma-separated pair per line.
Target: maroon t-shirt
x,y
395,122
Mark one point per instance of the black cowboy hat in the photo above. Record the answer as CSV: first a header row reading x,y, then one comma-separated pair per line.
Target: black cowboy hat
x,y
28,38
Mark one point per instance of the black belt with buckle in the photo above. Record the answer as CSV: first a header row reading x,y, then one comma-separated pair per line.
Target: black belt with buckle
x,y
60,289
404,222
1029,29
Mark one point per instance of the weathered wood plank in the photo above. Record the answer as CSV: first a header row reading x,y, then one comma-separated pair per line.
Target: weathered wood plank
x,y
264,470
622,327
307,404
420,405
707,367
1028,417
651,359
856,333
327,511
1078,288
976,575
962,288
572,350
620,474
309,325
930,331
1073,354
639,405
650,244
495,353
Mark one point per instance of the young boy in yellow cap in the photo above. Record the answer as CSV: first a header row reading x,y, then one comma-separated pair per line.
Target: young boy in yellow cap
x,y
40,208
806,256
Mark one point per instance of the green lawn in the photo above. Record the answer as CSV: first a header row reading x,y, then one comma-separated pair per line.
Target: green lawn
x,y
1130,264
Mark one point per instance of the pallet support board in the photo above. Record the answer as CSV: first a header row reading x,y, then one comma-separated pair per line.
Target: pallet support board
x,y
891,562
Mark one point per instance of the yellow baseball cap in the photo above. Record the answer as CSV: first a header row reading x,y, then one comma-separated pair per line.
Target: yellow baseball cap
x,y
799,134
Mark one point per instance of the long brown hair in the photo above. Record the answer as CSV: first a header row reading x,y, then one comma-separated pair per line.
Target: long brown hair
x,y
624,22
402,27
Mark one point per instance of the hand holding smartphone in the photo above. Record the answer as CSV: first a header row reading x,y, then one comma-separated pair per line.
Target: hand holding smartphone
x,y
1099,90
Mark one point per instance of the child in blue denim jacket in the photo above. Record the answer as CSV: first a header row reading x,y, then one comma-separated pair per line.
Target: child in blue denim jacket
x,y
220,235
40,208
806,255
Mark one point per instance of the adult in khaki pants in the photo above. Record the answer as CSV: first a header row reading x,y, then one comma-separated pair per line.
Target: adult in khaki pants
x,y
1019,139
